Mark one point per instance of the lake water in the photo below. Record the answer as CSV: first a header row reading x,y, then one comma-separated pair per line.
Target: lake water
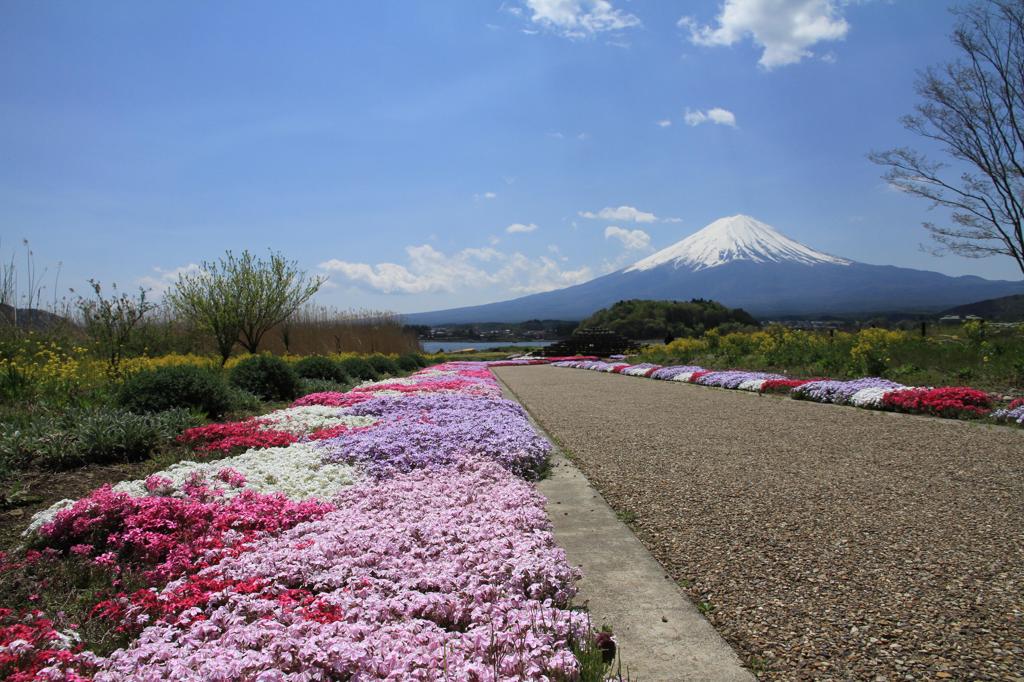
x,y
436,346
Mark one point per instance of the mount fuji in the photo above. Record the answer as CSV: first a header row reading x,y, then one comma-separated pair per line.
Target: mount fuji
x,y
744,263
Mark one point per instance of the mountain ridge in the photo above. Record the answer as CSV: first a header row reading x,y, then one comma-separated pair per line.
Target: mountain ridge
x,y
744,263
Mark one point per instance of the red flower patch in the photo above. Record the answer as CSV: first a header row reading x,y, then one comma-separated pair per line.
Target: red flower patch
x,y
783,385
226,437
165,537
332,399
948,401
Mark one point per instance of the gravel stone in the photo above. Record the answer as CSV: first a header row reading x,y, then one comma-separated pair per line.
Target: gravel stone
x,y
823,542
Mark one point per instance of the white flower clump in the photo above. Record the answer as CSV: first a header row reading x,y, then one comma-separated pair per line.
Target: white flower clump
x,y
870,397
683,376
44,516
297,470
300,421
752,385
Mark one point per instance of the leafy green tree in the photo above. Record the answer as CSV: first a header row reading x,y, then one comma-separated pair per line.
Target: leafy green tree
x,y
646,319
207,299
241,298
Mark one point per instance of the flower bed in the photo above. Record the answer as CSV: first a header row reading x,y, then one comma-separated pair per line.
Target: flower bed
x,y
412,578
869,392
393,536
744,381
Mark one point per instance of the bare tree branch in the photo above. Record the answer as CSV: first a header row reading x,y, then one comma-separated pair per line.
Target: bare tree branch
x,y
973,108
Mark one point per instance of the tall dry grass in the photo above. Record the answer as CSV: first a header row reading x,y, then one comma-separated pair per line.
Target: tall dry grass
x,y
321,330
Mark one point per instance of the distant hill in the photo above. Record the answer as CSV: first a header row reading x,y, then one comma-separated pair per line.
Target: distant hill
x,y
747,264
1002,309
30,318
644,319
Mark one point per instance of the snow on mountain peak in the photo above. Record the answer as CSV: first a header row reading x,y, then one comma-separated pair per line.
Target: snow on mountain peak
x,y
737,237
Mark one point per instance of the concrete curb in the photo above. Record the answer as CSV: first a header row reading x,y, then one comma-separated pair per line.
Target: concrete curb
x,y
661,635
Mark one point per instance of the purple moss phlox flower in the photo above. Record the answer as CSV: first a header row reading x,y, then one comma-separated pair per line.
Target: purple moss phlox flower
x,y
672,371
733,378
1014,415
829,391
434,429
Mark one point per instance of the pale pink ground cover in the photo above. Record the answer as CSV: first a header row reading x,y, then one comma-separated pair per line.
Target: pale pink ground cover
x,y
440,571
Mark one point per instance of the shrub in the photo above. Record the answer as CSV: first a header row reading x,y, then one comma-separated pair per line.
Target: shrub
x,y
410,362
14,384
70,438
266,376
307,386
320,367
178,386
358,368
383,364
244,401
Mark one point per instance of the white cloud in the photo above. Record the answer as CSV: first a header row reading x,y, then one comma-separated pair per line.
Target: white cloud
x,y
576,19
485,195
633,240
553,248
664,123
622,213
715,115
517,228
786,29
165,279
671,220
432,271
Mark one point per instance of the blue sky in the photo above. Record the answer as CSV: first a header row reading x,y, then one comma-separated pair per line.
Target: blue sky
x,y
428,155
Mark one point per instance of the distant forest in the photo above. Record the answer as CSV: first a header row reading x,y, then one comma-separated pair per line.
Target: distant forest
x,y
643,319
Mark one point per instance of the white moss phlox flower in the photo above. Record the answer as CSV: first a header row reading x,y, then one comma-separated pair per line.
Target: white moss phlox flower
x,y
297,470
300,421
870,397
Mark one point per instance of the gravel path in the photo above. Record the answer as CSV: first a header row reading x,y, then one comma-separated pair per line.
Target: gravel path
x,y
824,542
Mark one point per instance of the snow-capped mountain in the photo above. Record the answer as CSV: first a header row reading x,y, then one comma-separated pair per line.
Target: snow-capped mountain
x,y
735,238
744,263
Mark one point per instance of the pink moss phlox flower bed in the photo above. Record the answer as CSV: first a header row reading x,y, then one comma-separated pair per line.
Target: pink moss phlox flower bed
x,y
168,536
457,385
432,573
437,563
